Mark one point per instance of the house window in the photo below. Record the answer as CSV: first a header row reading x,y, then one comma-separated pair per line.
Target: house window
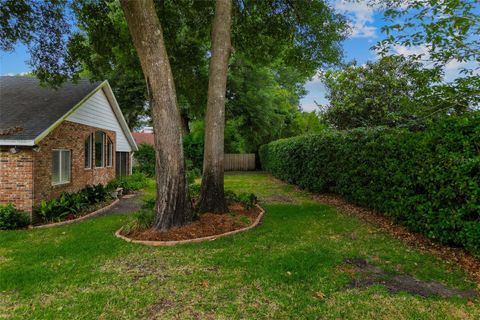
x,y
109,152
88,152
61,166
99,149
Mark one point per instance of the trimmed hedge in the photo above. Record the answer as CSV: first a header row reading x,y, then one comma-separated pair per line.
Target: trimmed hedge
x,y
429,181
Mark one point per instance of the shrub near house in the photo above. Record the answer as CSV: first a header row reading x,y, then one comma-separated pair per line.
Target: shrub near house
x,y
12,218
71,205
428,181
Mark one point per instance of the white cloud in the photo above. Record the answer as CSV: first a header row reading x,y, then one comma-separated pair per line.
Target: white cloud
x,y
361,17
316,94
455,64
309,106
413,50
452,68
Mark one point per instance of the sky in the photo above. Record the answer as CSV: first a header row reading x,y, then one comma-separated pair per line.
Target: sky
x,y
365,23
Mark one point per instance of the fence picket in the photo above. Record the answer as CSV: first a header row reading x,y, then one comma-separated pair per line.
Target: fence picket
x,y
239,162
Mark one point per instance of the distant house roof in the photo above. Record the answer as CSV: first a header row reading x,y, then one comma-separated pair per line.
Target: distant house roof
x,y
143,137
28,111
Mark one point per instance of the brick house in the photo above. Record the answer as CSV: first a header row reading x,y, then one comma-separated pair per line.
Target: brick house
x,y
54,141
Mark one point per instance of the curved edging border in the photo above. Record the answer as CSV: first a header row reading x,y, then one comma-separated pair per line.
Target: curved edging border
x,y
172,243
87,216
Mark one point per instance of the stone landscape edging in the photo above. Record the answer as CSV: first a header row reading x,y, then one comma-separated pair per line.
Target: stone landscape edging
x,y
154,243
87,216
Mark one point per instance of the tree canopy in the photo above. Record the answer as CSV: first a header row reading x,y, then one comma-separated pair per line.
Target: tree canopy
x,y
448,29
280,35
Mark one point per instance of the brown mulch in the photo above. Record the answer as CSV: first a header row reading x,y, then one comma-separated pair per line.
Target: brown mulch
x,y
208,224
459,256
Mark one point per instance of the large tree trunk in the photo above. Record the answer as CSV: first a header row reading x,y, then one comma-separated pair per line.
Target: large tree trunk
x,y
212,197
173,206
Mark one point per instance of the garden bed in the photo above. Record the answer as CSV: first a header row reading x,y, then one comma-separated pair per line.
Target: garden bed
x,y
95,210
208,226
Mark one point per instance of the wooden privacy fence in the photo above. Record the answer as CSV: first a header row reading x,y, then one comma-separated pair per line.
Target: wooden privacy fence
x,y
239,162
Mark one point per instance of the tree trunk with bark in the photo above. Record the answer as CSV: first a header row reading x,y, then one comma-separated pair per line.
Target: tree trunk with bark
x,y
173,206
212,196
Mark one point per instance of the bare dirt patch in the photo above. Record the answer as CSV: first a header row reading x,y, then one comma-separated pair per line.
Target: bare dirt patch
x,y
279,198
208,224
458,256
366,274
162,305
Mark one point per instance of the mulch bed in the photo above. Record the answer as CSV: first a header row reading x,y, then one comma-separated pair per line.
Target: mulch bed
x,y
459,256
208,224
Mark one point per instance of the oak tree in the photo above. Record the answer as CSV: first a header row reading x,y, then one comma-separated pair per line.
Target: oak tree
x,y
212,197
173,207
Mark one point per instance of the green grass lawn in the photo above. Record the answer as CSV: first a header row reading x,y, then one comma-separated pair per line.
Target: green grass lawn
x,y
290,267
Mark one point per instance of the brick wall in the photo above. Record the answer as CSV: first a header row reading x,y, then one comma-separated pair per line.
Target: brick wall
x,y
16,178
70,136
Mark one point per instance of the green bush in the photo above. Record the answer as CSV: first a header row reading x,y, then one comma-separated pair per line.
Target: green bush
x,y
11,218
145,160
94,194
247,199
71,203
141,220
192,172
429,181
130,183
193,144
194,190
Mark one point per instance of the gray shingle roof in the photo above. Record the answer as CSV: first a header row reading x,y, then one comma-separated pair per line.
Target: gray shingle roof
x,y
27,109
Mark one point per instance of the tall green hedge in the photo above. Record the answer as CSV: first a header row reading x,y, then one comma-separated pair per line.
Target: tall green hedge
x,y
428,181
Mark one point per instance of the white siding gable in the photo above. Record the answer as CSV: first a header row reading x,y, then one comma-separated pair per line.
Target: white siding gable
x,y
97,112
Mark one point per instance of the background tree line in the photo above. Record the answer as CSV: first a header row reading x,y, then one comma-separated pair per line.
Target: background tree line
x,y
273,48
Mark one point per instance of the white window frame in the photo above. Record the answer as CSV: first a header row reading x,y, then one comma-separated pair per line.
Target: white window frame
x,y
90,155
60,173
109,152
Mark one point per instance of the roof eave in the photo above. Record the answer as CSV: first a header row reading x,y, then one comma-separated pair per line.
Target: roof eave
x,y
12,143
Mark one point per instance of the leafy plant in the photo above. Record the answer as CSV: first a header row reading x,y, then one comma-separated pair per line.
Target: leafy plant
x,y
11,218
149,204
130,183
428,180
194,189
230,196
50,211
142,220
240,220
71,203
95,193
145,160
247,199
